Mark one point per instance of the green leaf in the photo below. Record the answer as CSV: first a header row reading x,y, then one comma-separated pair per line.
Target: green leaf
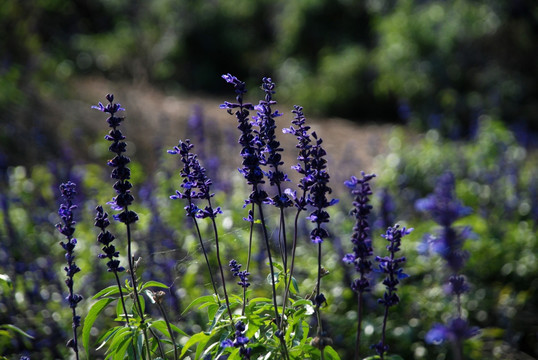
x,y
17,330
107,336
295,287
217,317
200,337
160,325
6,282
94,311
208,299
122,347
276,278
118,339
153,284
331,353
108,291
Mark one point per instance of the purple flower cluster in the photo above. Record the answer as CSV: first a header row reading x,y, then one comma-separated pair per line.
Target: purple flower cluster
x,y
235,268
304,145
67,229
362,244
196,184
391,266
121,172
240,341
105,238
270,148
318,191
249,141
445,209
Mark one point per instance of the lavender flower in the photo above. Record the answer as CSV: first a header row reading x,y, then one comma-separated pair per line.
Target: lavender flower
x,y
445,209
196,185
235,267
121,172
194,178
251,158
106,238
240,341
270,148
318,192
67,228
456,331
391,266
362,244
304,167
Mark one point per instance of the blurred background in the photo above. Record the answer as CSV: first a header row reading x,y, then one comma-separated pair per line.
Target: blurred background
x,y
431,64
406,88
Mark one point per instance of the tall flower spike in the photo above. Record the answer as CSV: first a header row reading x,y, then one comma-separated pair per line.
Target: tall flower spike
x,y
120,172
362,244
270,147
391,266
318,192
105,238
250,151
67,228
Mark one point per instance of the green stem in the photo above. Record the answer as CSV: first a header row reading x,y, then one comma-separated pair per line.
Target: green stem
x,y
135,287
206,259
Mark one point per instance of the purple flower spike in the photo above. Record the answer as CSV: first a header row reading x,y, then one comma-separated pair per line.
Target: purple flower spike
x,y
67,229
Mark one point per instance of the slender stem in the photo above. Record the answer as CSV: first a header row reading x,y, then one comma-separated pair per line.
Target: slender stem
x,y
277,316
318,306
135,287
176,356
249,256
75,348
292,265
220,265
206,259
359,326
159,345
382,354
122,299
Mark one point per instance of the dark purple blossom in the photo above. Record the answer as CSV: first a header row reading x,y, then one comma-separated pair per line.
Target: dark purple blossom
x,y
445,208
362,244
106,238
304,167
235,268
196,184
319,190
270,150
249,141
456,331
240,341
67,228
119,163
391,266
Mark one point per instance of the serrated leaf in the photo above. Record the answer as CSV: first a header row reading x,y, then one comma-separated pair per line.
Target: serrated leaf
x,y
94,311
108,291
